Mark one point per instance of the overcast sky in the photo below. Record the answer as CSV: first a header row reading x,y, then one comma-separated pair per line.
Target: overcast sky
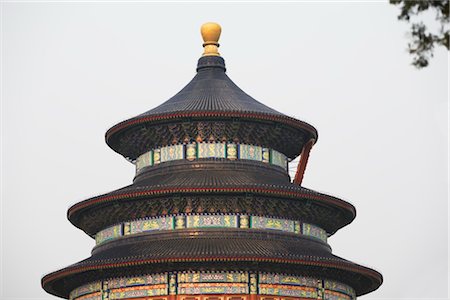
x,y
71,71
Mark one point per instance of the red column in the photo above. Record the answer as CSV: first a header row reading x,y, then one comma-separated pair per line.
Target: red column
x,y
303,161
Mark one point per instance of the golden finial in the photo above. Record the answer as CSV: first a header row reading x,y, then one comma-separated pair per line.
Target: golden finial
x,y
211,34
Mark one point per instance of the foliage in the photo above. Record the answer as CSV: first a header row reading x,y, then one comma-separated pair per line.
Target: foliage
x,y
422,41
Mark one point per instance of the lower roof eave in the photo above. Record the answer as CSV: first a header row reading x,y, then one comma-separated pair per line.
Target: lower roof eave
x,y
55,283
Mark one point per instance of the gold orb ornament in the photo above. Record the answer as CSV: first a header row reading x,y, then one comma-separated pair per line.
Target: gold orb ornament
x,y
211,33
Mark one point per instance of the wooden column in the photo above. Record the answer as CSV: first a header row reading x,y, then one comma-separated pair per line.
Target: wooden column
x,y
303,161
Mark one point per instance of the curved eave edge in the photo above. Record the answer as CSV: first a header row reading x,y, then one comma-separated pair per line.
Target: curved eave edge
x,y
372,274
260,191
210,114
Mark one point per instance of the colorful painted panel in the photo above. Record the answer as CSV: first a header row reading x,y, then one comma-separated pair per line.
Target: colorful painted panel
x,y
232,151
250,152
211,150
286,279
244,221
94,296
330,295
201,221
212,288
278,159
165,223
314,231
108,234
285,290
191,152
180,222
144,160
86,289
140,280
212,277
339,287
138,291
272,223
174,152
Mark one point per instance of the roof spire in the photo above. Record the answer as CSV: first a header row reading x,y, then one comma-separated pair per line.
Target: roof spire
x,y
211,34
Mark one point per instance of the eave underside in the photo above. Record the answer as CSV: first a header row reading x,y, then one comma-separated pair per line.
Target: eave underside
x,y
96,216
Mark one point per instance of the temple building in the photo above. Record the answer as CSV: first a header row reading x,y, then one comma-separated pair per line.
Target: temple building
x,y
212,213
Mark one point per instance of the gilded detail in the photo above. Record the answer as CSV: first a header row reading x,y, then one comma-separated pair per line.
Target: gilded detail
x,y
180,222
232,151
243,221
191,152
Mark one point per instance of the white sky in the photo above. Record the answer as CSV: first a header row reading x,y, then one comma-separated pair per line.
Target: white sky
x,y
70,71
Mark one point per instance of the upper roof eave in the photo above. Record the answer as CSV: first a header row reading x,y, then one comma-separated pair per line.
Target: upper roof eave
x,y
211,94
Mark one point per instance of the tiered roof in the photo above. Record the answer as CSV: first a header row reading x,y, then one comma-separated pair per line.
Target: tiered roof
x,y
176,180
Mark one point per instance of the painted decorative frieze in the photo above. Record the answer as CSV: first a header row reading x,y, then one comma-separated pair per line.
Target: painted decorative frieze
x,y
204,221
314,231
211,150
93,296
110,233
138,280
331,295
144,160
278,159
289,291
288,280
163,223
212,277
193,151
212,288
175,152
86,289
138,292
250,152
209,221
339,287
272,223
